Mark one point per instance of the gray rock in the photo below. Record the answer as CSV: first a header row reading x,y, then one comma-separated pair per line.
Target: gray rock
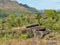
x,y
39,28
32,25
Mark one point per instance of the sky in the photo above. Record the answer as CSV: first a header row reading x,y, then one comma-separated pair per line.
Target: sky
x,y
42,4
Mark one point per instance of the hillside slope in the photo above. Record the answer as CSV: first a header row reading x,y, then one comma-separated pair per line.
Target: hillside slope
x,y
14,6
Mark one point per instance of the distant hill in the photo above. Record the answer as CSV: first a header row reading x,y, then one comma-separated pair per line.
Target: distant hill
x,y
15,7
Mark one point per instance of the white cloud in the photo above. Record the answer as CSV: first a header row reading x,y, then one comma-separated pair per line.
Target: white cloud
x,y
56,0
50,1
58,6
13,0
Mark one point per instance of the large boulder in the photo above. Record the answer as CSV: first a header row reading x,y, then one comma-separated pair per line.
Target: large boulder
x,y
39,31
41,34
39,28
24,30
28,31
2,33
32,25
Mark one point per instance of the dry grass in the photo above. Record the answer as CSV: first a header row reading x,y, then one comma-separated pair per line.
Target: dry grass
x,y
34,41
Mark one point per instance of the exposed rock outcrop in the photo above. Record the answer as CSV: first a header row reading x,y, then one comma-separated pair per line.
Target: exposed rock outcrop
x,y
34,30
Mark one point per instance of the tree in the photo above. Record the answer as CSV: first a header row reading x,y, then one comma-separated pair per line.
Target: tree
x,y
38,17
18,21
11,19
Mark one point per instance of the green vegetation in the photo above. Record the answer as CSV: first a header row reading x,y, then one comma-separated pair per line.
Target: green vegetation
x,y
15,19
10,21
48,18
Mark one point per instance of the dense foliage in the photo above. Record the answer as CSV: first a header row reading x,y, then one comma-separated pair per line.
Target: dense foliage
x,y
48,18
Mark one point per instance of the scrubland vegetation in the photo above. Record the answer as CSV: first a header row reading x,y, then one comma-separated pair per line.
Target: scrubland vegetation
x,y
10,23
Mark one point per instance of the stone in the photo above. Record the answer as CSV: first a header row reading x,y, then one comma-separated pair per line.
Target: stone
x,y
32,25
39,28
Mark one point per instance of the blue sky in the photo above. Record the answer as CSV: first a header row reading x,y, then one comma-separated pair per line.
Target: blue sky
x,y
42,4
